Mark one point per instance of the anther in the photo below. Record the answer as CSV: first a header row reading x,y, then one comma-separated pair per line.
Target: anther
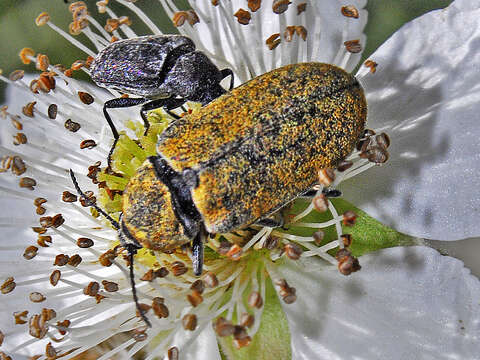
x,y
111,25
189,322
74,260
180,17
125,20
44,240
42,62
37,327
36,297
16,124
30,252
88,144
347,263
383,140
287,292
52,111
62,326
255,300
173,353
19,139
75,5
376,155
243,16
85,97
26,54
247,320
72,125
18,166
159,308
318,237
194,298
346,239
50,351
349,218
8,285
55,277
67,196
353,46
273,41
110,286
144,308
139,334
92,288
210,280
326,176
27,110
271,243
223,327
301,8
372,65
16,75
107,258
20,317
235,252
280,6
320,202
350,11
198,286
344,165
293,251
2,337
178,268
27,183
239,343
254,5
162,272
61,260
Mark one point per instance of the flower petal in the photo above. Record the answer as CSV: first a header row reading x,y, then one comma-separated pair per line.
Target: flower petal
x,y
425,96
205,345
403,303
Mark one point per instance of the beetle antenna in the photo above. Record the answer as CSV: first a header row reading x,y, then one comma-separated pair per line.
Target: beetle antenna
x,y
132,250
91,203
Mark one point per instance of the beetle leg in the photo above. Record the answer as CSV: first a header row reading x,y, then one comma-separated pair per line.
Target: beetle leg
x,y
225,73
119,103
197,252
270,222
167,103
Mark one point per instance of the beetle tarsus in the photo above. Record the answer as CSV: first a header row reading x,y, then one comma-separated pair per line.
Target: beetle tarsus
x,y
197,254
132,250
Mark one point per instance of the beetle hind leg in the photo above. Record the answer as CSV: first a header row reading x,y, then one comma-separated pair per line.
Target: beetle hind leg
x,y
197,253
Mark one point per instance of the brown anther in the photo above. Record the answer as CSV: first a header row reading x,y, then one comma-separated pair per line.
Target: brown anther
x,y
342,254
287,292
39,230
42,19
372,65
84,242
383,140
247,320
148,276
348,265
75,260
89,61
16,75
112,25
255,300
2,337
20,317
92,288
301,8
25,55
239,343
178,268
34,86
59,68
27,110
4,356
173,353
210,280
67,196
46,82
349,218
288,33
55,277
376,155
50,351
80,14
85,97
30,252
139,335
18,166
223,327
99,298
240,332
89,200
254,5
57,220
350,11
189,322
214,2
280,6
16,124
125,20
47,314
162,272
77,65
8,285
198,286
195,298
19,139
320,202
106,259
224,247
353,46
301,32
52,111
326,176
344,165
62,326
40,210
273,41
68,73
61,260
36,297
271,243
180,17
102,6
42,62
110,286
37,326
27,183
72,125
346,239
44,240
293,251
113,39
159,308
75,5
363,144
243,16
88,144
235,252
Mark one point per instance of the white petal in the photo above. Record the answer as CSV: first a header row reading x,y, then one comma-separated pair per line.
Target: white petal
x,y
405,303
204,347
425,96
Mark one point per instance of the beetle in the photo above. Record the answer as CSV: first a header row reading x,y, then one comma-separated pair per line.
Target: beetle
x,y
241,158
163,70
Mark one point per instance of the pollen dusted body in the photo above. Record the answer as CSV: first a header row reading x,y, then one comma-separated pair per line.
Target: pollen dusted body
x,y
245,155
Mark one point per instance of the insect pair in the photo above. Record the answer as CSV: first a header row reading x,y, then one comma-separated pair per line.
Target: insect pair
x,y
237,160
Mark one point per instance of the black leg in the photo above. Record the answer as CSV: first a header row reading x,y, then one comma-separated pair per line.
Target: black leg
x,y
119,103
167,103
225,73
197,253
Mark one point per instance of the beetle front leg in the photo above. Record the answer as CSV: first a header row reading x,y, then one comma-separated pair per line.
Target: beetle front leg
x,y
225,73
168,104
197,253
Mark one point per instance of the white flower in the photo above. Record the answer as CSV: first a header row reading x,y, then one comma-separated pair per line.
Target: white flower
x,y
406,302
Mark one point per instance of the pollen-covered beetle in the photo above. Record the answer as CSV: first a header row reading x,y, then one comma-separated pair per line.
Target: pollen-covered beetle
x,y
164,70
242,157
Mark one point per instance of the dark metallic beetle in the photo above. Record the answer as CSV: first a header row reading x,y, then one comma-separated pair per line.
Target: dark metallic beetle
x,y
163,70
242,157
